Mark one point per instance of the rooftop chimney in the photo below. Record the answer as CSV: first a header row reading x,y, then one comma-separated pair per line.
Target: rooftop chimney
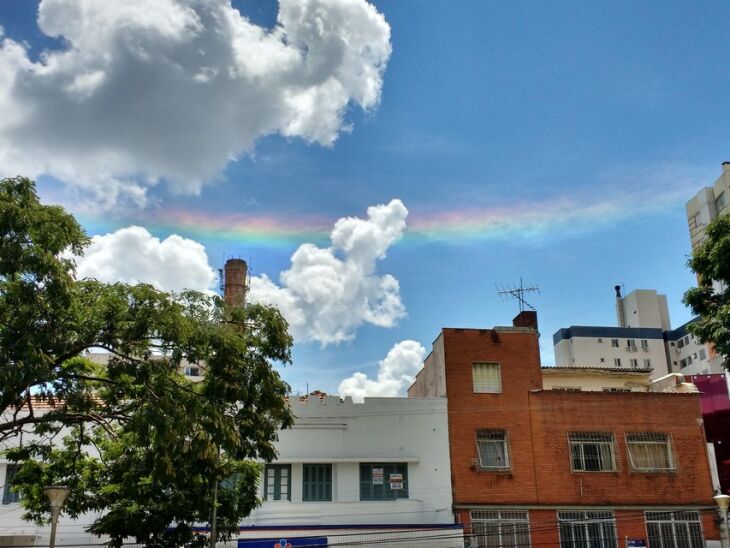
x,y
234,291
620,315
526,318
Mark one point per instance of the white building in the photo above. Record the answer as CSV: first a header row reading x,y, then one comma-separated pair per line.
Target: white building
x,y
377,471
707,204
643,340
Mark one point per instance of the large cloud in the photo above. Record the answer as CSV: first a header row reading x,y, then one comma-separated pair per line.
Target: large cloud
x,y
327,293
396,372
133,255
174,89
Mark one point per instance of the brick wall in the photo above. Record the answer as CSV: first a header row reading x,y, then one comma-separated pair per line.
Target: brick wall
x,y
538,423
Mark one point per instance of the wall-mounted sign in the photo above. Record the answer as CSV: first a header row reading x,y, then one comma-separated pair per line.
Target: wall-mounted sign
x,y
396,482
377,476
635,543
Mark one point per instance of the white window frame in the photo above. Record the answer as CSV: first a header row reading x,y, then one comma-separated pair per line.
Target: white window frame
x,y
493,528
675,524
650,440
484,385
580,443
586,522
499,438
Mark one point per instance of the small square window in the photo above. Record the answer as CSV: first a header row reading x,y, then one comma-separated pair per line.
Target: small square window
x,y
603,360
486,378
614,343
600,340
493,449
650,452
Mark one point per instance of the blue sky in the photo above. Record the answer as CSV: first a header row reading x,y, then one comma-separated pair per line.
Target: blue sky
x,y
512,106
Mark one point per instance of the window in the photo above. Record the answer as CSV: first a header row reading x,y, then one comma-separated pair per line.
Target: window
x,y
592,451
650,452
192,371
497,528
388,481
683,363
599,340
647,363
720,201
631,345
703,354
486,377
317,482
645,345
680,343
276,482
615,389
694,221
493,449
614,343
603,360
689,360
634,362
686,340
587,530
617,362
675,529
9,494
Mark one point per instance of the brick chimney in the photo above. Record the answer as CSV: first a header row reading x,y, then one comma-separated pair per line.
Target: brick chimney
x,y
234,291
526,318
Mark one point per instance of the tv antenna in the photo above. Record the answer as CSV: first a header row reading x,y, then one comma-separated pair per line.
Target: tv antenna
x,y
518,294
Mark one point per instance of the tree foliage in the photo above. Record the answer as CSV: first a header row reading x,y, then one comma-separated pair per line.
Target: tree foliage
x,y
711,299
142,445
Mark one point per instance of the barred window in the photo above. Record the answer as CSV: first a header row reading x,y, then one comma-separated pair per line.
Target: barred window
x,y
587,529
500,528
486,377
670,529
592,451
650,452
493,449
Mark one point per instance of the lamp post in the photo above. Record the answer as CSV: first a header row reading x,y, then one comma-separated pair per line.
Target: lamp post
x,y
723,501
56,495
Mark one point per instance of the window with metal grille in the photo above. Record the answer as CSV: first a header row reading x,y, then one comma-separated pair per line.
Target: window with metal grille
x,y
587,529
10,495
317,482
486,377
592,451
650,452
383,481
674,529
277,479
500,528
493,449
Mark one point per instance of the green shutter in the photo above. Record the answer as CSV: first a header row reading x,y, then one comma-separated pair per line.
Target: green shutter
x,y
317,482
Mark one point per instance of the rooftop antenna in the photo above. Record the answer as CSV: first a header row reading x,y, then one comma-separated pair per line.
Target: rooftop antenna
x,y
518,294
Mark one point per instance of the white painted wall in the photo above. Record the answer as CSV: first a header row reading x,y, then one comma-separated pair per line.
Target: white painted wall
x,y
343,433
600,352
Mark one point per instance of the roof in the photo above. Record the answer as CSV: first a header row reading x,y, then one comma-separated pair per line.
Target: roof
x,y
567,333
593,369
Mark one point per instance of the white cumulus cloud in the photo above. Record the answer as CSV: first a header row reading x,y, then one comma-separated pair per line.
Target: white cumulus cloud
x,y
172,90
132,255
396,372
327,293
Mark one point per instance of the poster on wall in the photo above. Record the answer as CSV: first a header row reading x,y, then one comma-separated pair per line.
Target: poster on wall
x,y
377,476
396,482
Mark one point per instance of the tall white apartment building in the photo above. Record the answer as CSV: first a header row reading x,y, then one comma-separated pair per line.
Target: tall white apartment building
x,y
642,340
707,204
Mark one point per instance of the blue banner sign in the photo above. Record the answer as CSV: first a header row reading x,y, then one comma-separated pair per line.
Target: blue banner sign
x,y
288,542
635,542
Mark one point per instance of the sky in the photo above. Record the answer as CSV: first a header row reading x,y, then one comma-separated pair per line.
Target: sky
x,y
385,168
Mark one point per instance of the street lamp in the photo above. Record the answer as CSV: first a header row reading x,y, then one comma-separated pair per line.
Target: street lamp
x,y
56,495
723,501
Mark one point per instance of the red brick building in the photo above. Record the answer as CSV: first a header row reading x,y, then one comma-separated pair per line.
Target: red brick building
x,y
557,468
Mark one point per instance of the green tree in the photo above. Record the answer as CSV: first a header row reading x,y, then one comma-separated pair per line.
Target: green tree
x,y
711,300
142,445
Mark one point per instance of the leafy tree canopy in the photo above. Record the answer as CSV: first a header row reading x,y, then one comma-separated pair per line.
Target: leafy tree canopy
x,y
711,300
141,445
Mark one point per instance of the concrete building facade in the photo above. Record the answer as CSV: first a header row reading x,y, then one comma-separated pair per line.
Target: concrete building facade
x,y
708,204
534,466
